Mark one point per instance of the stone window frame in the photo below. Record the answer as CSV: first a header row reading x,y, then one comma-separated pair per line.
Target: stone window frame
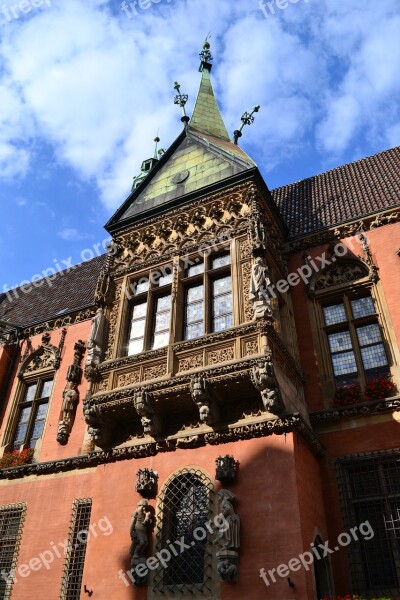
x,y
331,295
23,382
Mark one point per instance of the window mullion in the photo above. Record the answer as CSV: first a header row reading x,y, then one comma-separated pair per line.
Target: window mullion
x,y
150,321
207,308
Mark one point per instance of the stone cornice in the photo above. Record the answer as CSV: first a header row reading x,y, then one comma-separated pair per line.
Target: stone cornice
x,y
342,231
364,409
264,428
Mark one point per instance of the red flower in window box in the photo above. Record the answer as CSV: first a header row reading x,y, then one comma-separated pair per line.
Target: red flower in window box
x,y
379,388
348,395
16,458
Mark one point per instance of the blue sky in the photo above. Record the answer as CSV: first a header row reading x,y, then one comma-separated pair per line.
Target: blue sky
x,y
84,87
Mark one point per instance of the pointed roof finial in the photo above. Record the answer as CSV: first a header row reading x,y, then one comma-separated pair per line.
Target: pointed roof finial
x,y
181,100
206,56
156,139
247,119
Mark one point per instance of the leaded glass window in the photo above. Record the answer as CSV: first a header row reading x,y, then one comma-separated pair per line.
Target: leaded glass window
x,y
208,297
161,321
186,506
355,340
138,324
32,413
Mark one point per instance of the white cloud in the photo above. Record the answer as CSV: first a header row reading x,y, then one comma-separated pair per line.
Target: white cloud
x,y
97,85
70,234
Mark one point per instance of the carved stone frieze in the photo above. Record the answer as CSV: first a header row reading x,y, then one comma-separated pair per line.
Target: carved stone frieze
x,y
214,357
154,371
190,362
129,378
127,361
339,273
245,249
246,281
364,409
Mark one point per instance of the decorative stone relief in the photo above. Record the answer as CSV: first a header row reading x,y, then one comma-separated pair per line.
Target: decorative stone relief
x,y
46,356
71,395
264,380
251,347
228,538
112,327
200,390
129,378
221,355
105,286
154,371
190,362
258,294
245,249
141,525
146,483
151,422
226,467
340,273
246,280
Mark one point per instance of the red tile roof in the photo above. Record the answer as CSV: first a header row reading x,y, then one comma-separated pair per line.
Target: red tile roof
x,y
348,192
69,291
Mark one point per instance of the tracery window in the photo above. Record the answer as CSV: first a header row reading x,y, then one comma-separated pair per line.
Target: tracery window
x,y
32,412
355,339
208,297
185,507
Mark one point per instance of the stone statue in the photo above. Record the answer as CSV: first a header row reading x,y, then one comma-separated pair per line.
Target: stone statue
x,y
228,538
259,283
258,234
96,338
67,416
140,524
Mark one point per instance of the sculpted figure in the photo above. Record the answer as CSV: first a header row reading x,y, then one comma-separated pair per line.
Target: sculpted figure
x,y
67,416
264,380
200,391
95,342
141,522
151,422
228,538
259,283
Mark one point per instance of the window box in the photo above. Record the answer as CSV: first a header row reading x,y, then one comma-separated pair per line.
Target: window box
x,y
375,389
348,395
16,459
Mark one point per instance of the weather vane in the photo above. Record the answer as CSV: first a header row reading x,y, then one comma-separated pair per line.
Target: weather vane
x,y
205,54
181,100
247,119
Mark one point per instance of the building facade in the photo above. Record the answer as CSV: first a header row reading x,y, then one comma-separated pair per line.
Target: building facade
x,y
210,410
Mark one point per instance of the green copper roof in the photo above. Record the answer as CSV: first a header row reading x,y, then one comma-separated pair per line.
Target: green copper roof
x,y
206,117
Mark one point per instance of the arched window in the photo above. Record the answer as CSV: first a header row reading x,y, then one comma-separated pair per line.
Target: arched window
x,y
185,507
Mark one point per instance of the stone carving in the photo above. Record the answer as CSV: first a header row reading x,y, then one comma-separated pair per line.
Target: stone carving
x,y
264,380
251,347
130,378
151,422
154,371
220,355
340,273
104,293
368,258
112,327
141,524
98,432
258,294
228,538
146,483
96,338
70,395
246,280
190,362
200,390
46,356
226,467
